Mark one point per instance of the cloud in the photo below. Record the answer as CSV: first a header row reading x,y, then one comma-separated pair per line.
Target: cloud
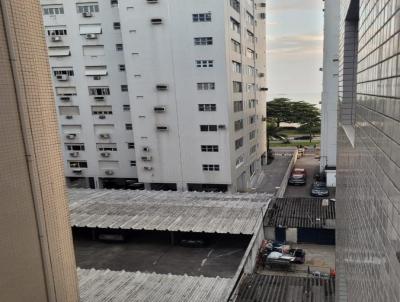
x,y
296,44
275,5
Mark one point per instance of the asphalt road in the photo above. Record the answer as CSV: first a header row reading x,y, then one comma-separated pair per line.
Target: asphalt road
x,y
311,165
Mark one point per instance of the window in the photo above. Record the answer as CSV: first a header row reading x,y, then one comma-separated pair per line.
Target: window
x,y
133,163
249,18
57,71
59,51
131,145
204,63
210,167
237,87
56,31
252,119
251,87
106,147
253,149
99,91
65,91
206,17
75,147
253,103
209,148
128,126
236,46
124,88
239,161
235,25
126,107
114,3
235,4
203,41
88,8
239,125
207,107
237,106
117,25
250,53
252,135
121,67
250,37
205,86
208,128
119,47
69,110
238,143
78,164
102,110
236,67
251,71
53,10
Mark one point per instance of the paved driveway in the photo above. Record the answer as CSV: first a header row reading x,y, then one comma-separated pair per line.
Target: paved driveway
x,y
274,173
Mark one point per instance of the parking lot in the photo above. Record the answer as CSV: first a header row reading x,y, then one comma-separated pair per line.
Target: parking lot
x,y
152,252
318,258
311,165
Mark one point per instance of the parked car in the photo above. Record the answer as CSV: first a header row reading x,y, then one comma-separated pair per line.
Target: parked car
x,y
299,255
193,242
319,189
298,177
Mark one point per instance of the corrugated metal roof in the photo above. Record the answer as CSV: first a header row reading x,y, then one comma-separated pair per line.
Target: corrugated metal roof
x,y
172,211
300,213
120,286
260,288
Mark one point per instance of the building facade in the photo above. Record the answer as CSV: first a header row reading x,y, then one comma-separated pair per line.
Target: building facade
x,y
168,93
368,188
37,260
330,91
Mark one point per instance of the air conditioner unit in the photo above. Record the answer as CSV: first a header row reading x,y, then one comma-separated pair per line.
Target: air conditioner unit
x,y
262,16
147,158
146,149
74,154
156,21
91,36
63,77
87,14
159,109
99,98
261,74
65,98
77,171
105,135
97,77
69,117
105,154
109,172
56,39
71,136
148,168
162,128
102,117
221,126
162,87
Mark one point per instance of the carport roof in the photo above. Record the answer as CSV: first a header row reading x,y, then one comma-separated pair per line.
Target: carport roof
x,y
167,211
121,286
300,213
257,287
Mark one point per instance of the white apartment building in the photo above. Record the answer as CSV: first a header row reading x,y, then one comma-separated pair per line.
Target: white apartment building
x,y
330,94
171,93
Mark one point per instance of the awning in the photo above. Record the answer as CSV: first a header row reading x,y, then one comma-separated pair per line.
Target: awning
x,y
85,29
60,51
96,71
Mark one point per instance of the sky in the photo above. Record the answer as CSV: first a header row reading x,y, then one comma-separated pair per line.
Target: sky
x,y
295,49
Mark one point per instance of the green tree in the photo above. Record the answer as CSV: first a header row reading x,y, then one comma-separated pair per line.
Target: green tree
x,y
280,111
273,131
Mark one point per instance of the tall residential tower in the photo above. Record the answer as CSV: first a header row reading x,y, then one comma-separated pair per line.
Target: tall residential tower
x,y
169,92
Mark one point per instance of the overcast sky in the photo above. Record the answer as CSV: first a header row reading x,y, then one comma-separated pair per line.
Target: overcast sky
x,y
295,47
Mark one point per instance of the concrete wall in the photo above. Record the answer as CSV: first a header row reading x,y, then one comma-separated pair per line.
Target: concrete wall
x,y
282,189
37,260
